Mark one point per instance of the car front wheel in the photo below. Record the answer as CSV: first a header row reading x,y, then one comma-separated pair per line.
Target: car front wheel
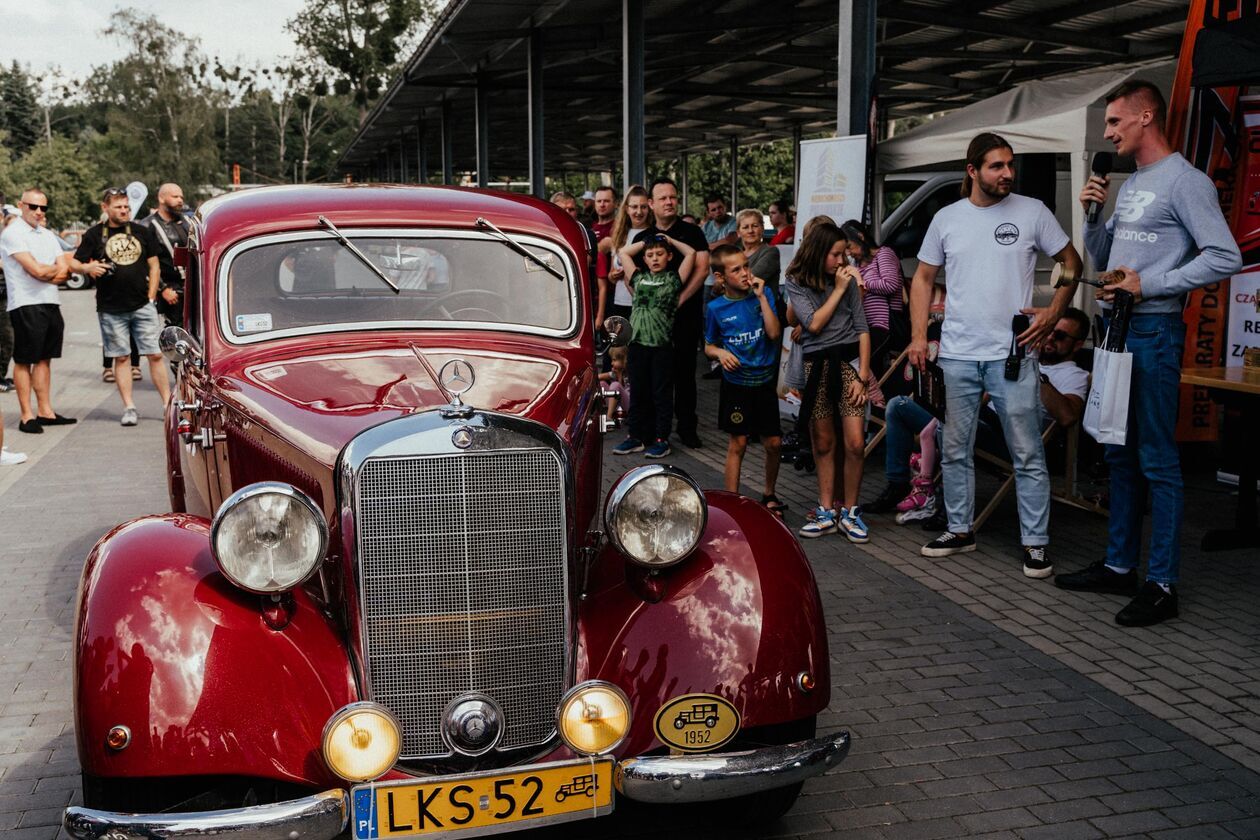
x,y
76,282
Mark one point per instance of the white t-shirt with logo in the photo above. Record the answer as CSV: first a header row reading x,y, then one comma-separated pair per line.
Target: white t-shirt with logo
x,y
621,292
40,243
989,254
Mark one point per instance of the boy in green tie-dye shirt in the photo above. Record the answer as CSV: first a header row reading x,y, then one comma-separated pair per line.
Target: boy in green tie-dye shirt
x,y
651,355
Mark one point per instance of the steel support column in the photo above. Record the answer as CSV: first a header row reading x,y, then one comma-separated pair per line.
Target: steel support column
x,y
448,130
537,174
734,208
632,48
682,186
404,173
483,132
796,161
863,68
422,153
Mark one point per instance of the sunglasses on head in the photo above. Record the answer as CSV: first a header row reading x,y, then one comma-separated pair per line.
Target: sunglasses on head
x,y
42,208
112,192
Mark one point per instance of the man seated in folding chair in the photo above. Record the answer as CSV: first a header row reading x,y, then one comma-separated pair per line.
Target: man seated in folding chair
x,y
1064,389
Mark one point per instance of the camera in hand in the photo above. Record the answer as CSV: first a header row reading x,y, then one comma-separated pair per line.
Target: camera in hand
x,y
1018,324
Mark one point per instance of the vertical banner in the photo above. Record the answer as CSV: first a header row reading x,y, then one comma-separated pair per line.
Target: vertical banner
x,y
1217,126
833,180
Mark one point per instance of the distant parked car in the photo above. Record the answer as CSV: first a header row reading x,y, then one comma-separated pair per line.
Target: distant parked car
x,y
76,281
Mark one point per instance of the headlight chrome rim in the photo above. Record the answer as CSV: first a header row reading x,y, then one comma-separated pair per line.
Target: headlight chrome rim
x,y
345,712
622,489
252,491
587,686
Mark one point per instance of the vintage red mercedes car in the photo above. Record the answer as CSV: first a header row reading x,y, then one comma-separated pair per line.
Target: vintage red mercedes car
x,y
387,600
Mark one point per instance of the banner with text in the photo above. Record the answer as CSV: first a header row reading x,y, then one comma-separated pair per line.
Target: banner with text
x,y
1244,317
833,180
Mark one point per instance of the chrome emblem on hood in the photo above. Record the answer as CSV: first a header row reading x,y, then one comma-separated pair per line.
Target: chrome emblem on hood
x,y
462,437
457,377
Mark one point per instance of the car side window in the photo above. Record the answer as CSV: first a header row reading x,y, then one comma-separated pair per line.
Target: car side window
x,y
908,237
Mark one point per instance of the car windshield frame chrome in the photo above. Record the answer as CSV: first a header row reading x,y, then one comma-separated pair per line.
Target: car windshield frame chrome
x,y
562,252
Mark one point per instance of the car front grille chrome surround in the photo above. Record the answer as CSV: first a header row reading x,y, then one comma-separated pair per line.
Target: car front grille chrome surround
x,y
463,588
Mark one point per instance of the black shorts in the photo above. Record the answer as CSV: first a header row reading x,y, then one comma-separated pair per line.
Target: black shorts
x,y
748,409
37,332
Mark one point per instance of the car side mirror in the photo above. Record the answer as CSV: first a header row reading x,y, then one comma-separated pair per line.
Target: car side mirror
x,y
617,332
178,345
180,256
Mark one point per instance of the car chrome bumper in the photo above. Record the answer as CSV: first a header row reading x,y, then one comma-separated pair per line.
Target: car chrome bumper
x,y
316,817
703,778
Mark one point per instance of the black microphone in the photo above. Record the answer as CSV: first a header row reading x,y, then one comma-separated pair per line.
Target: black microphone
x,y
1102,168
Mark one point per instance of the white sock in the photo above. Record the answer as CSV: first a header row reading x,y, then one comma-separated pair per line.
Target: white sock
x,y
1118,570
1164,586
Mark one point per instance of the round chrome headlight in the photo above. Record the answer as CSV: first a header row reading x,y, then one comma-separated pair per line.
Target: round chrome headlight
x,y
593,718
268,537
655,515
361,742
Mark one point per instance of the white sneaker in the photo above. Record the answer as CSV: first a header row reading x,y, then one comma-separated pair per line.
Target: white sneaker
x,y
130,416
11,459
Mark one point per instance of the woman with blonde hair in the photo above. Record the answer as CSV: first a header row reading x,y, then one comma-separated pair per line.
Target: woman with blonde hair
x,y
634,215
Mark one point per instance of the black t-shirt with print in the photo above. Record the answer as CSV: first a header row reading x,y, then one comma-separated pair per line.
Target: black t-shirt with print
x,y
129,247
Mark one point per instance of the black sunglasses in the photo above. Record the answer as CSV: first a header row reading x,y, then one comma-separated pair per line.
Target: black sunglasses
x,y
43,208
1059,335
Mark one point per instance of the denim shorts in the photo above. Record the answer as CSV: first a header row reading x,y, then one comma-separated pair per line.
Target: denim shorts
x,y
118,328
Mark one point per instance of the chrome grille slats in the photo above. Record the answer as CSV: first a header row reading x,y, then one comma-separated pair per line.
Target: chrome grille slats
x,y
462,572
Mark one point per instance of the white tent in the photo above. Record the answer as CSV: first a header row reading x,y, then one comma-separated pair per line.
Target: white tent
x,y
1056,115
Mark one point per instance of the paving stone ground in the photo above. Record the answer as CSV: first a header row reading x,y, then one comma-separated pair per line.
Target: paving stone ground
x,y
982,704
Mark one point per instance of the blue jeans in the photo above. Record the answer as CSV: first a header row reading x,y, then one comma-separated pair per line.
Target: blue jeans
x,y
1149,456
905,419
1018,404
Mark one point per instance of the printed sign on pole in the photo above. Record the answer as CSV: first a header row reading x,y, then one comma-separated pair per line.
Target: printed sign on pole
x,y
833,180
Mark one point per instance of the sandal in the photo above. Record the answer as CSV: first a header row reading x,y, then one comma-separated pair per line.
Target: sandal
x,y
135,374
107,375
774,504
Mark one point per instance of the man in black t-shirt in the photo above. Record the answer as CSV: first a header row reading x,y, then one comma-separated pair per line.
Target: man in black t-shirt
x,y
688,318
123,257
170,230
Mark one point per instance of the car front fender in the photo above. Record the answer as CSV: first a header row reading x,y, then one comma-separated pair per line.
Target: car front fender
x,y
169,649
740,619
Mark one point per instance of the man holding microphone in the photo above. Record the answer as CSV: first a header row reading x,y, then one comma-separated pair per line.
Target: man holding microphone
x,y
1166,237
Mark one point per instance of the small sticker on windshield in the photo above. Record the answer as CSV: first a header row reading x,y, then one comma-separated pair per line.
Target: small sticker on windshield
x,y
253,323
547,257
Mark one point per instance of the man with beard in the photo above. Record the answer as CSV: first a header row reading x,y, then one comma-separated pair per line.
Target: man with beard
x,y
170,229
123,258
601,228
988,244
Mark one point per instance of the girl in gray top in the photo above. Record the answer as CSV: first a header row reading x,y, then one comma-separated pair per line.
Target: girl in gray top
x,y
823,291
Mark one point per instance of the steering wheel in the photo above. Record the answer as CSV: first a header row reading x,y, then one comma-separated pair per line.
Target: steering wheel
x,y
494,309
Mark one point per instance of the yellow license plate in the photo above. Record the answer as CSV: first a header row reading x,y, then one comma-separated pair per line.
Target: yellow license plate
x,y
539,794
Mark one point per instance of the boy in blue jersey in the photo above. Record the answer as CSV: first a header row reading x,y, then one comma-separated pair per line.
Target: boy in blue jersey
x,y
741,333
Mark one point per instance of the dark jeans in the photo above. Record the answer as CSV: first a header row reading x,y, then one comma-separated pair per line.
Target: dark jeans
x,y
905,419
652,377
6,340
1149,457
687,329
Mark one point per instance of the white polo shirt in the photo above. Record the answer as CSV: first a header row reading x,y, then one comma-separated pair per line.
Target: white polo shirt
x,y
40,243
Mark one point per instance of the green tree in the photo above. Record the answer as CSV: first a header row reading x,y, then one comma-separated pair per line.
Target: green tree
x,y
69,177
160,107
20,114
359,40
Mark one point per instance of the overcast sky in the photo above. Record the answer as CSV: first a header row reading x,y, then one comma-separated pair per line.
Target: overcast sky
x,y
69,33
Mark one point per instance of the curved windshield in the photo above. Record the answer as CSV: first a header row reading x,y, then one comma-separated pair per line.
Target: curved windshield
x,y
289,285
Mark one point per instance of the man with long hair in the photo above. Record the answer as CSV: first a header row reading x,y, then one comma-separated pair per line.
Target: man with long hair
x,y
988,244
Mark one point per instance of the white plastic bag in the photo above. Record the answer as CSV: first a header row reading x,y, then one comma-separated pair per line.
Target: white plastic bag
x,y
1107,411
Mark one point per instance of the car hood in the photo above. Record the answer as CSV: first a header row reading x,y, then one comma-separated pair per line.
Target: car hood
x,y
320,402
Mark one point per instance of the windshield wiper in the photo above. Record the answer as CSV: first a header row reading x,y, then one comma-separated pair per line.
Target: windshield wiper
x,y
363,258
519,248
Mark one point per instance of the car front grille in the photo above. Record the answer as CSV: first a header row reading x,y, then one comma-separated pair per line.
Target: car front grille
x,y
462,575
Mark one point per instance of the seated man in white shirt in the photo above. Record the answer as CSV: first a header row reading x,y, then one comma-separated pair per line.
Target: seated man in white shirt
x,y
1064,383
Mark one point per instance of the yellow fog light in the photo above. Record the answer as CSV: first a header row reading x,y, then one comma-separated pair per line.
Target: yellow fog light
x,y
361,742
594,717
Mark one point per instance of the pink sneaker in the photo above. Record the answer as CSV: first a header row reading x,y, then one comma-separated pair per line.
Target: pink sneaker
x,y
920,493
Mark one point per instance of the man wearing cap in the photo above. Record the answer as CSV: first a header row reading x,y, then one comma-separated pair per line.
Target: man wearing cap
x,y
587,214
33,269
123,257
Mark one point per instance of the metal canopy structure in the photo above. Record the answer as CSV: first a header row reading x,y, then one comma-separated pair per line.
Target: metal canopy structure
x,y
504,88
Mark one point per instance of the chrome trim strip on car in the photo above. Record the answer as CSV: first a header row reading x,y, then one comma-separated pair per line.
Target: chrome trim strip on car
x,y
427,435
671,779
323,815
225,264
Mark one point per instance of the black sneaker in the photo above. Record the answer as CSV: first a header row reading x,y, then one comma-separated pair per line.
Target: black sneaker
x,y
1036,563
949,543
1151,606
886,502
691,440
938,522
1096,577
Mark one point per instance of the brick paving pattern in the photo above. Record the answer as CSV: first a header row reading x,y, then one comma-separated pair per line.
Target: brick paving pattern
x,y
982,704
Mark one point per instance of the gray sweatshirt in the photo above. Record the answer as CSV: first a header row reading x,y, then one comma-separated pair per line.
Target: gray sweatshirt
x,y
1168,227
